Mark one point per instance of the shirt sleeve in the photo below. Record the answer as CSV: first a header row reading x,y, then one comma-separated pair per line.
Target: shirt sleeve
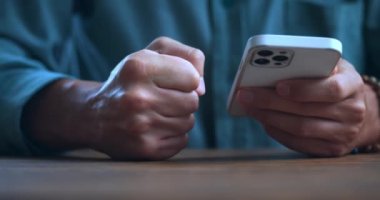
x,y
34,39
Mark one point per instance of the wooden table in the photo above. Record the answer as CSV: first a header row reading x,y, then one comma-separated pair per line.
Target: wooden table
x,y
193,174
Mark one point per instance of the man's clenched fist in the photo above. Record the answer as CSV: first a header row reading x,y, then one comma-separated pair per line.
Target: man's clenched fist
x,y
146,107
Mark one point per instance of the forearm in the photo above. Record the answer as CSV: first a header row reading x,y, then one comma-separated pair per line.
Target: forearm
x,y
59,116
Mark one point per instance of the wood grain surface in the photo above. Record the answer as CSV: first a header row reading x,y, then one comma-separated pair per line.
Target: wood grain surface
x,y
193,174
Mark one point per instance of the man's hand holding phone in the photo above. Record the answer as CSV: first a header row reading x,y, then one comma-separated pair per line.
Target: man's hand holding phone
x,y
308,102
324,117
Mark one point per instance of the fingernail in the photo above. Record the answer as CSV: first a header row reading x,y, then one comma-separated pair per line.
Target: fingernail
x,y
201,90
245,96
283,89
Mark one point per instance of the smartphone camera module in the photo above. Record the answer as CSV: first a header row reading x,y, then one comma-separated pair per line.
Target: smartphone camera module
x,y
272,57
265,53
262,61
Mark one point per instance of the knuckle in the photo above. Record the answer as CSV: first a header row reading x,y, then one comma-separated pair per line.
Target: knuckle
x,y
137,100
358,111
336,89
161,42
139,125
141,54
192,103
196,54
135,64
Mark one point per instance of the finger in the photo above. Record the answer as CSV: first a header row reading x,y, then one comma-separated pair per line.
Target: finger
x,y
302,127
139,99
171,146
165,71
340,85
153,148
152,123
165,45
168,46
314,147
268,99
175,142
168,127
172,103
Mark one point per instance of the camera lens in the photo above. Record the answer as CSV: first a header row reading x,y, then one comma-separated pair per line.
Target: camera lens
x,y
280,58
265,53
262,61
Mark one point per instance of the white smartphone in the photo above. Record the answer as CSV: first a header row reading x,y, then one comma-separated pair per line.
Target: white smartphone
x,y
268,59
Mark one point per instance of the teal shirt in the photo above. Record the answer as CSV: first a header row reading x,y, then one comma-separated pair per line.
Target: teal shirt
x,y
45,40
